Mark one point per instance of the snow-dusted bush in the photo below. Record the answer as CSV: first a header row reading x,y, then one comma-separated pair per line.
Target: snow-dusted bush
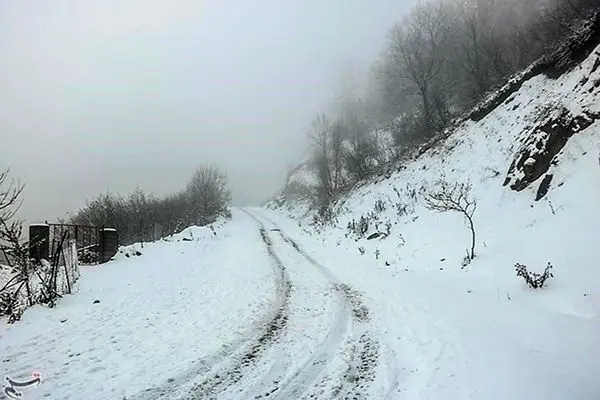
x,y
466,260
24,281
359,228
379,206
405,203
11,306
533,279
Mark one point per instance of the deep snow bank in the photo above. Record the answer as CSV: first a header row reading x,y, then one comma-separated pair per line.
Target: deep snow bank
x,y
189,234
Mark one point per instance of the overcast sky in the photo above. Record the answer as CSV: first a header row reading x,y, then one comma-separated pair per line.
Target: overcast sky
x,y
118,94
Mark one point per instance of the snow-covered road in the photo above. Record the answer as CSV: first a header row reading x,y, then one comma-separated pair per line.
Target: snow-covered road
x,y
329,348
318,343
261,309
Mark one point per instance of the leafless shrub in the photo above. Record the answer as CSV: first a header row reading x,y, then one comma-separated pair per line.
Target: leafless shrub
x,y
455,197
10,197
466,260
358,228
15,252
533,279
405,204
388,228
401,209
29,282
379,206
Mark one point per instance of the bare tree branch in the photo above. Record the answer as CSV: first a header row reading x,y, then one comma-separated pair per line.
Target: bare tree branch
x,y
457,198
10,196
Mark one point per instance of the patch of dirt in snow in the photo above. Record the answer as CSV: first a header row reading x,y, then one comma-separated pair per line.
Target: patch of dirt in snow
x,y
360,312
361,370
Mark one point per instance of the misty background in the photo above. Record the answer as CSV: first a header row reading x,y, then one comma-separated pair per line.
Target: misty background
x,y
125,94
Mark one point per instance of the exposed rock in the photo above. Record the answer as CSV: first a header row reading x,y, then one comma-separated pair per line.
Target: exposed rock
x,y
542,144
375,235
544,187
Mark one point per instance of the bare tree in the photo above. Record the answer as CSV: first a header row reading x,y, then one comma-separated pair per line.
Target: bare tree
x,y
362,156
479,55
439,61
10,197
338,181
416,52
455,197
109,210
320,136
352,148
208,193
143,217
139,209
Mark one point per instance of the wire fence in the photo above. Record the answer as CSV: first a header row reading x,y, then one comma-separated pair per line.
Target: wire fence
x,y
34,279
85,237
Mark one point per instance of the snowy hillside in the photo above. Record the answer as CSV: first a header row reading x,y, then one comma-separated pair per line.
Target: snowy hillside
x,y
537,203
520,174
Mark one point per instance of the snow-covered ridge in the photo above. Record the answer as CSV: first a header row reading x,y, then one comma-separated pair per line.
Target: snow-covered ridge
x,y
524,135
552,121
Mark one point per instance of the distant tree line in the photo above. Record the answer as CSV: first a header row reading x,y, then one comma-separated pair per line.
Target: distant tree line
x,y
141,217
438,62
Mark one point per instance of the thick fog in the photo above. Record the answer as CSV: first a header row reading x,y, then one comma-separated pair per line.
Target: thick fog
x,y
120,94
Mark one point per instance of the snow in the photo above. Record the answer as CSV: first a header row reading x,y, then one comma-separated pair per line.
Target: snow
x,y
159,313
476,333
184,317
269,305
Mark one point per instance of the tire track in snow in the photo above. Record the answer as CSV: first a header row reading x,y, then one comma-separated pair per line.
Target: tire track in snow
x,y
231,373
276,385
225,368
364,348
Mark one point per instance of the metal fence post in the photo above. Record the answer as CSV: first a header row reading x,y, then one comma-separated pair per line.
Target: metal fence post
x,y
109,244
39,242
